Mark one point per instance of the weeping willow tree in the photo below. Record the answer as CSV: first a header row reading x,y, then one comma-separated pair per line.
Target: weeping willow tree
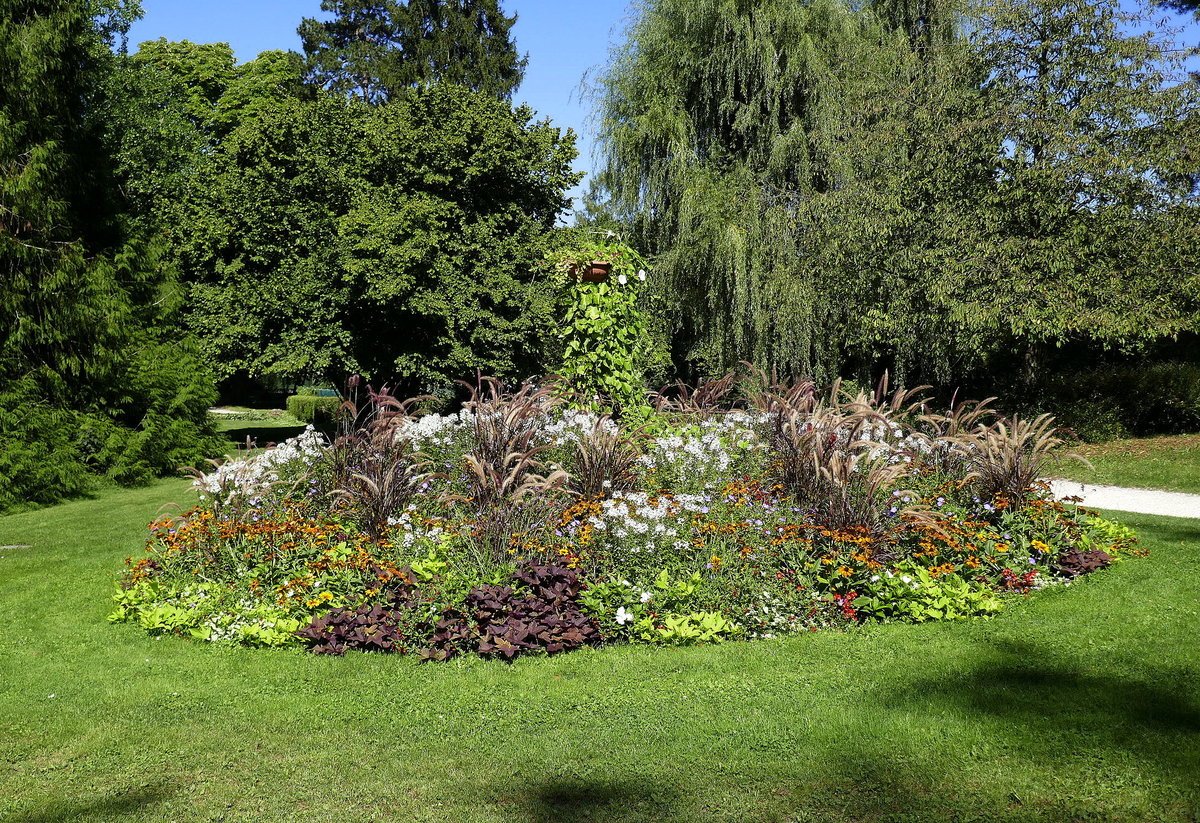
x,y
832,188
721,121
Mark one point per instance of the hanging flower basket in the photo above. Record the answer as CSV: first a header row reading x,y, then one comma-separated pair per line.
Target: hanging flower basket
x,y
596,271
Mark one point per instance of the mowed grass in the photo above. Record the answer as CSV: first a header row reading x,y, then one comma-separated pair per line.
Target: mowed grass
x,y
1171,463
1080,704
267,426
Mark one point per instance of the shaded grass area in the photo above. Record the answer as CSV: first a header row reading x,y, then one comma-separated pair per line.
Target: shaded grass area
x,y
1081,704
1170,463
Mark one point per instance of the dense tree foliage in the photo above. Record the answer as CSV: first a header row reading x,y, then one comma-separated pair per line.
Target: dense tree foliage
x,y
87,380
828,188
402,240
169,105
1192,6
720,120
377,49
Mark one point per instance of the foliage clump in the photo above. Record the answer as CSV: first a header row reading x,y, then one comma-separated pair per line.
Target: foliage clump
x,y
957,189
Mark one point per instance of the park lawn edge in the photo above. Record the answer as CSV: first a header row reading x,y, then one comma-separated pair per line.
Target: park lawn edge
x,y
1081,702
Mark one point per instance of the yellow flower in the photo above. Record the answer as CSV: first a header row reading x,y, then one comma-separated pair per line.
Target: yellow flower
x,y
326,596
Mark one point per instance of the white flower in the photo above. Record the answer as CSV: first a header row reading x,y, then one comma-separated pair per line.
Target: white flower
x,y
624,616
622,280
647,597
906,579
642,274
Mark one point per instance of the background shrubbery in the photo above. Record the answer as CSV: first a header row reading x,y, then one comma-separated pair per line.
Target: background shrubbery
x,y
309,408
1127,399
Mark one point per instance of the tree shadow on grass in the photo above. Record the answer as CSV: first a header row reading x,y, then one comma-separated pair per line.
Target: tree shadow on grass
x,y
601,801
1026,684
112,807
260,436
1056,710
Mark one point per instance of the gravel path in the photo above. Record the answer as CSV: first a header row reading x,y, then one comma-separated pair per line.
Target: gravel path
x,y
1141,501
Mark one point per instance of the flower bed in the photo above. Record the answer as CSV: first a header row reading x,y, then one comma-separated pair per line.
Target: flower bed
x,y
523,525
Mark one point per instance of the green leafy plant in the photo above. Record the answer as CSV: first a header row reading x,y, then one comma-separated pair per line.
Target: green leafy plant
x,y
311,408
914,594
607,346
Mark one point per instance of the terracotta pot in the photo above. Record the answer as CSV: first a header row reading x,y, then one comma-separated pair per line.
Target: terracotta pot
x,y
595,272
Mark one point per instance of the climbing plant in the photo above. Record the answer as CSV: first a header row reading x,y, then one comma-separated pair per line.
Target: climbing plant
x,y
607,343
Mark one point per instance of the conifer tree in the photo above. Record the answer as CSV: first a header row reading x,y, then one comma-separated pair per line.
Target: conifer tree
x,y
375,48
88,381
60,289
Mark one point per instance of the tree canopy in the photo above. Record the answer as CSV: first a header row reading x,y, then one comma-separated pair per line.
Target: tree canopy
x,y
402,240
829,188
374,49
86,377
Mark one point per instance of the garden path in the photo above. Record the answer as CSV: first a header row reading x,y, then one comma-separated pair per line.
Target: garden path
x,y
1141,501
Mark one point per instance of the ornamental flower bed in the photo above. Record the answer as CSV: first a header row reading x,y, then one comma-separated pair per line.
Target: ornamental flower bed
x,y
522,524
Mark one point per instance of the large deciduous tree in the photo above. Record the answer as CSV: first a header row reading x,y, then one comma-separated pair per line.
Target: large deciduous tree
x,y
403,240
828,187
376,48
1092,222
720,120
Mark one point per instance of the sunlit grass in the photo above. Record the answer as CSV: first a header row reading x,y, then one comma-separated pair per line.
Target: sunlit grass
x,y
1171,463
1081,703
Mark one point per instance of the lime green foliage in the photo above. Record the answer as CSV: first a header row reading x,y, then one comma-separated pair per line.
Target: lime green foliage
x,y
237,416
1170,463
200,612
913,593
1080,704
694,629
309,408
661,614
608,348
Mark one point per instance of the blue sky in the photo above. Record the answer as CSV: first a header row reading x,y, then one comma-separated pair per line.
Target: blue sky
x,y
563,38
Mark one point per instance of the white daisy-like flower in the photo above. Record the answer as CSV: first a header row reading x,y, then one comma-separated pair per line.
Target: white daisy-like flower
x,y
623,616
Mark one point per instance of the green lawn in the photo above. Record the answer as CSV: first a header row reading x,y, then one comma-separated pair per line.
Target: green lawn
x,y
1171,463
1082,704
262,426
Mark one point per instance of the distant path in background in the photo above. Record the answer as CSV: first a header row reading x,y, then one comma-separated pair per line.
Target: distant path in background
x,y
1140,501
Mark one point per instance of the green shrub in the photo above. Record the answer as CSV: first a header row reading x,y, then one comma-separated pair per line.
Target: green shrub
x,y
40,458
1138,399
309,408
